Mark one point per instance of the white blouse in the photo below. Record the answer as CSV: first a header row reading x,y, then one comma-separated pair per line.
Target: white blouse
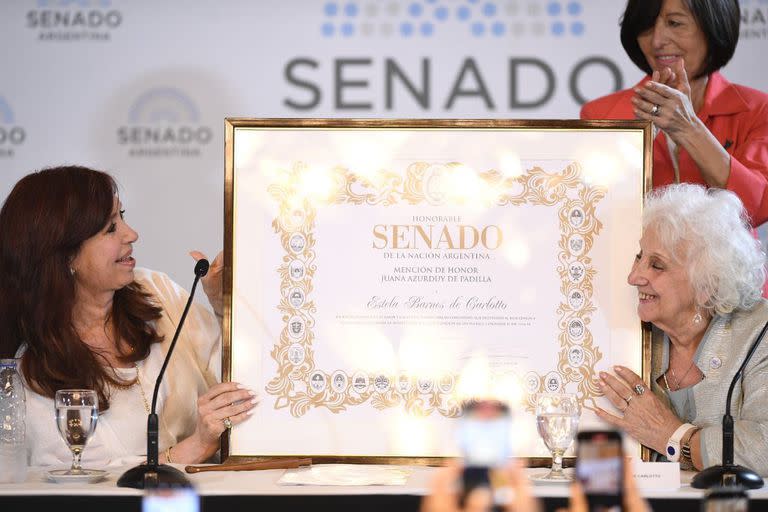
x,y
120,435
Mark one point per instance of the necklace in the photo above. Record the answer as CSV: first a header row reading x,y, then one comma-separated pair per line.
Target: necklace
x,y
681,379
141,388
135,382
666,382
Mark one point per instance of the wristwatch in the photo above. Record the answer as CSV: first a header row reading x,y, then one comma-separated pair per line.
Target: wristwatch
x,y
673,444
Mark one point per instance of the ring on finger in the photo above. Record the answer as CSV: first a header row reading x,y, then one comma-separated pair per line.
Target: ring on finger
x,y
628,399
639,389
655,110
227,423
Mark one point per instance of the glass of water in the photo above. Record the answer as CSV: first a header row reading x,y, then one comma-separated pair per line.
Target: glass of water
x,y
557,419
77,412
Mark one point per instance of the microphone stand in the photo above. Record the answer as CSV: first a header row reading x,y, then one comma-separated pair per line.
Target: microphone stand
x,y
729,474
152,474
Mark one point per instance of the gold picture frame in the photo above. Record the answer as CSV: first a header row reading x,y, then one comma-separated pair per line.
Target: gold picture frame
x,y
294,233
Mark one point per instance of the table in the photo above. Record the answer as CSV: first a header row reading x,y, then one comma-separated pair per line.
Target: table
x,y
258,490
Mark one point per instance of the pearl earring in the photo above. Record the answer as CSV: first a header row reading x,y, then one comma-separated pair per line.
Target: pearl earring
x,y
697,317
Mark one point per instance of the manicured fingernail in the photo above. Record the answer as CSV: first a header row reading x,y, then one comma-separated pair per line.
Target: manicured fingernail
x,y
239,386
251,392
255,401
249,412
618,369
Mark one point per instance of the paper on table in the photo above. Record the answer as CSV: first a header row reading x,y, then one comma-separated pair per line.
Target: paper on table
x,y
656,475
345,474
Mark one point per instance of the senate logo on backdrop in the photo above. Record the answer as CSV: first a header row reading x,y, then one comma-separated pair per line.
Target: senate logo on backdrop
x,y
164,122
427,18
74,20
525,78
12,135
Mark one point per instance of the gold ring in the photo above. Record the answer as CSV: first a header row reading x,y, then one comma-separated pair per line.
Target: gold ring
x,y
628,400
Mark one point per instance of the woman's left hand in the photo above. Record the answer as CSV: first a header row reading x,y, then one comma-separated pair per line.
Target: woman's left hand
x,y
213,282
222,406
668,105
644,416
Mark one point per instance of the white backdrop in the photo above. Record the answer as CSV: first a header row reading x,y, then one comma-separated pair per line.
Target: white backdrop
x,y
141,87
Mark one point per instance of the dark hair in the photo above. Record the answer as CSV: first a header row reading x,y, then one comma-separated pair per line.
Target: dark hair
x,y
718,20
43,223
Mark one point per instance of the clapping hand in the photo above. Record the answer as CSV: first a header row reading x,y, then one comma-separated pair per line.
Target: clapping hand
x,y
666,101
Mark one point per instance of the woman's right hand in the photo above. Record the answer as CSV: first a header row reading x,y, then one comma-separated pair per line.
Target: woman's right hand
x,y
666,101
669,104
213,282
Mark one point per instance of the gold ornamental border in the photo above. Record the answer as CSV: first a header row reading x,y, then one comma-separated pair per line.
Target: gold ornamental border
x,y
542,187
300,385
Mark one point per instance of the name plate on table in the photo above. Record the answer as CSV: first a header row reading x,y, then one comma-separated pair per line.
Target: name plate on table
x,y
371,265
656,475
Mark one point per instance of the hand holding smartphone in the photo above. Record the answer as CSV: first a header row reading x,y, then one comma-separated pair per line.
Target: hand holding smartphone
x,y
170,500
484,440
600,469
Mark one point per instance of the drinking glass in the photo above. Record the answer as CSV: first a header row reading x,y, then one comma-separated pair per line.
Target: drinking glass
x,y
557,419
77,412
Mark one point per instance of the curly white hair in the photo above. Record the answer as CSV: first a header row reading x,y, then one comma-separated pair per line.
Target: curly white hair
x,y
708,231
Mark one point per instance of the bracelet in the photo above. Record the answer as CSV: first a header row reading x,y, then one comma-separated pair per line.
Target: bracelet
x,y
168,455
685,449
673,445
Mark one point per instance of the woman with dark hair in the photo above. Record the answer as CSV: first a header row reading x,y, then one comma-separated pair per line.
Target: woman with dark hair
x,y
709,131
78,314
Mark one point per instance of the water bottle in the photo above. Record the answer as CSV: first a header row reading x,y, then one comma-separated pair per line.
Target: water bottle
x,y
13,452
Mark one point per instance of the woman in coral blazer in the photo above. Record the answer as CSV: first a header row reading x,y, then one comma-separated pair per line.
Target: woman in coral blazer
x,y
707,130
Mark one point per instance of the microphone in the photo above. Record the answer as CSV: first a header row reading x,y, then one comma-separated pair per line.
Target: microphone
x,y
728,473
153,475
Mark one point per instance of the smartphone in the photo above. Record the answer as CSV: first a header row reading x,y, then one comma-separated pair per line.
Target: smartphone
x,y
170,500
600,468
484,440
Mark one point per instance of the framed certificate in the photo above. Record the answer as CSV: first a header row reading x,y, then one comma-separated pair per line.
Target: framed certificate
x,y
378,272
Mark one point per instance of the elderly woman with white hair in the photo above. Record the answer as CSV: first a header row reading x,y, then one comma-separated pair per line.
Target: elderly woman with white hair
x,y
699,277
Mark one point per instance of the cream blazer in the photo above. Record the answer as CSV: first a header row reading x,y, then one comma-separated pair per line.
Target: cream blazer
x,y
724,348
120,435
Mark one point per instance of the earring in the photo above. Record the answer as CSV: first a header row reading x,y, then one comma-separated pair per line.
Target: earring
x,y
71,271
697,317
